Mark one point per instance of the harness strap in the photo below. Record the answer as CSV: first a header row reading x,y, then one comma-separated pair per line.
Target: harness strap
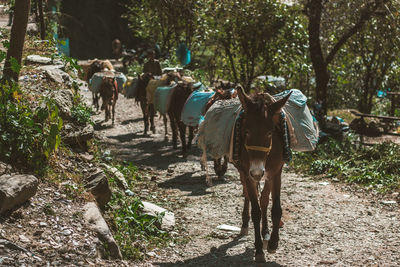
x,y
259,148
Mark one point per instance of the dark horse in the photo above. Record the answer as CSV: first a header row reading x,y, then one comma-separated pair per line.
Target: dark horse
x,y
181,93
96,66
221,93
142,97
261,155
109,95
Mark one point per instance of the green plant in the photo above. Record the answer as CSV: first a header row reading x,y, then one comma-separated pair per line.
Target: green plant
x,y
135,231
81,113
27,136
376,167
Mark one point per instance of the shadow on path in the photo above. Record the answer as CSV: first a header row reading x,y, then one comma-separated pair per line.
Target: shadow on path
x,y
219,257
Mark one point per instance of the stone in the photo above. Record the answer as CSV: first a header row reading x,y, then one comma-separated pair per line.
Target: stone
x,y
97,184
36,59
32,29
15,190
65,100
5,168
168,221
57,75
121,182
79,137
97,223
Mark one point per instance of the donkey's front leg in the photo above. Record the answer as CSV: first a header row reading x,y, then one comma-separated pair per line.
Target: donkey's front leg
x,y
264,200
276,214
182,133
165,127
173,129
246,211
152,114
143,105
191,136
256,218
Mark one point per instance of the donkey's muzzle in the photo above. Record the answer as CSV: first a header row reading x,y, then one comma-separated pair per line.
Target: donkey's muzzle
x,y
257,174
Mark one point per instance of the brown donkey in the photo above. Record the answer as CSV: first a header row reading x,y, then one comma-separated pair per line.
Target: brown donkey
x,y
261,155
109,95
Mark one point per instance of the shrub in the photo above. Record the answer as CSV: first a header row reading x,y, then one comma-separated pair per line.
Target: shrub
x,y
27,136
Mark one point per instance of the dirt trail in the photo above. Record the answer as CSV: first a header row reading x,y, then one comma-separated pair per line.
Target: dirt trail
x,y
324,224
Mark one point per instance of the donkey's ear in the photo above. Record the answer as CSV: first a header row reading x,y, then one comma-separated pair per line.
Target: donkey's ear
x,y
276,107
244,99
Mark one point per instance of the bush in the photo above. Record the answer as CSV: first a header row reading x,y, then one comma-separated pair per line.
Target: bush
x,y
135,232
27,136
377,166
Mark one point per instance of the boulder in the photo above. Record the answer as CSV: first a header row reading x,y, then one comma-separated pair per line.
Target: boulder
x,y
5,168
36,59
97,184
120,178
65,100
32,29
15,190
78,138
57,75
97,223
168,221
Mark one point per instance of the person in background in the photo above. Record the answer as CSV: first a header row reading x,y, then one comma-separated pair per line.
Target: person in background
x,y
11,4
152,65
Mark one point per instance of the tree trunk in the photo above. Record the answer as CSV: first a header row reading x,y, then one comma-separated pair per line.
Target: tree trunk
x,y
41,20
316,54
18,31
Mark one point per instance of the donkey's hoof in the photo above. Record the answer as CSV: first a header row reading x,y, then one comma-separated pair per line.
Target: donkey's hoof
x,y
244,231
272,247
209,182
260,258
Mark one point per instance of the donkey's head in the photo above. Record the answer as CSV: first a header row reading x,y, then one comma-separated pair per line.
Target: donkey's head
x,y
260,121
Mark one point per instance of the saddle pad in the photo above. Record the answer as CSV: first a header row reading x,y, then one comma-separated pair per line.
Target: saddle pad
x,y
152,87
130,88
162,98
304,131
95,81
215,131
193,110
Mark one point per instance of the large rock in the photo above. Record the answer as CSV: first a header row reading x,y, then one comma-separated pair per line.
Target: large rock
x,y
36,59
5,168
97,184
15,190
168,221
120,178
96,221
65,101
57,75
78,138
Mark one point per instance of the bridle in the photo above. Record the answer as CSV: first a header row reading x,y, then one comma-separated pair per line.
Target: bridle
x,y
259,148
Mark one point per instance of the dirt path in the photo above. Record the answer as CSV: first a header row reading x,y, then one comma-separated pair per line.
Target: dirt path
x,y
324,225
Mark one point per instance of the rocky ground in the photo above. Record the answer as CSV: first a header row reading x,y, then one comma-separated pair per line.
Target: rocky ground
x,y
325,223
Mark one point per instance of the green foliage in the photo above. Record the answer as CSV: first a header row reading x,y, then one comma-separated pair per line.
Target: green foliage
x,y
377,167
81,113
27,136
135,231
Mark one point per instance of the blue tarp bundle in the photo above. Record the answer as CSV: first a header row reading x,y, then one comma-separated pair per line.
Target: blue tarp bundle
x,y
216,130
130,88
183,54
193,110
95,82
162,98
304,131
